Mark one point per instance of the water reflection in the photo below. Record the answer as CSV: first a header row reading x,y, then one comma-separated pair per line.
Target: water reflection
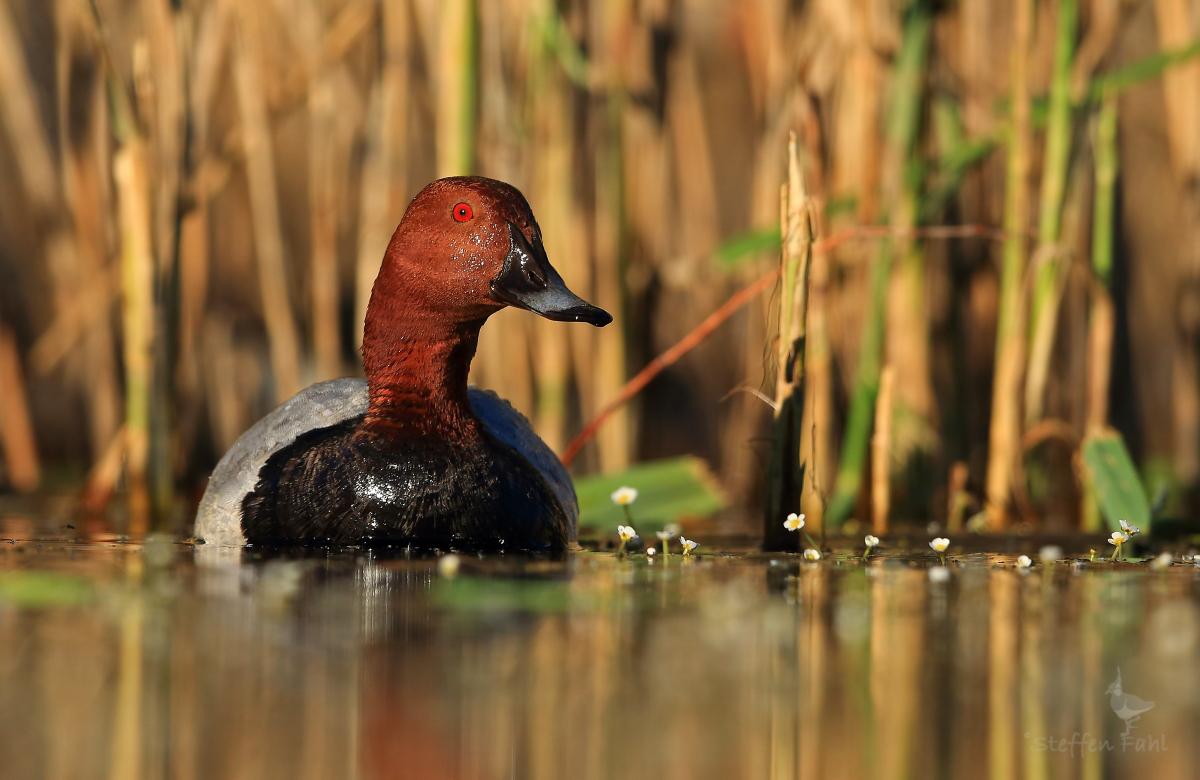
x,y
134,661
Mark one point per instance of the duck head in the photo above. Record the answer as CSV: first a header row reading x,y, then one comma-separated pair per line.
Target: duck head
x,y
466,248
469,246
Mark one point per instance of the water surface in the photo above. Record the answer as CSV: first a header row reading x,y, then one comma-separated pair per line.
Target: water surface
x,y
153,660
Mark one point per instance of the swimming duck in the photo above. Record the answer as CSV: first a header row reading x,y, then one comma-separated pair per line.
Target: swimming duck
x,y
412,455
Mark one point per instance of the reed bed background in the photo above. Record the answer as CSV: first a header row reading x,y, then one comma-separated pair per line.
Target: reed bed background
x,y
197,195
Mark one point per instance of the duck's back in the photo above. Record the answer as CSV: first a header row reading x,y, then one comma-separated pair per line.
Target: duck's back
x,y
338,401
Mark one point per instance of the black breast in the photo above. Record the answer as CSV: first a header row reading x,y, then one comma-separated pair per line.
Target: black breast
x,y
331,486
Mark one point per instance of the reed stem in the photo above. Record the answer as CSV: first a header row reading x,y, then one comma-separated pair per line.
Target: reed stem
x,y
1004,436
785,472
1050,272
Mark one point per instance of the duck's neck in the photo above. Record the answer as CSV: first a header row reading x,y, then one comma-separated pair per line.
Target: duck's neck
x,y
417,366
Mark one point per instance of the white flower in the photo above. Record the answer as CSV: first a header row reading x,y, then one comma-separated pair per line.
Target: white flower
x,y
940,544
812,555
871,541
1118,538
650,552
1051,553
688,545
1023,562
1129,530
664,535
1162,561
939,574
447,565
626,532
794,522
672,529
623,496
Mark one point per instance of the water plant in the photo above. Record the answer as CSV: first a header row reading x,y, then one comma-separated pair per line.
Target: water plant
x,y
688,546
623,497
1024,562
939,546
626,533
812,554
795,522
871,543
664,536
1116,541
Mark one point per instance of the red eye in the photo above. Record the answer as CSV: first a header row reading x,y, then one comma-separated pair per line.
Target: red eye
x,y
462,212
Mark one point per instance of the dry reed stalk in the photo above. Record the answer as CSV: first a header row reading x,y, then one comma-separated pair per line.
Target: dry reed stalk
x,y
1003,439
106,470
322,196
785,471
903,123
907,346
456,87
881,444
1049,266
165,103
264,205
1181,85
19,112
552,190
816,438
137,273
16,427
608,27
385,171
86,156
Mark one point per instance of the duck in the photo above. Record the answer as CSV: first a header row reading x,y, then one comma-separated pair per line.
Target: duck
x,y
411,456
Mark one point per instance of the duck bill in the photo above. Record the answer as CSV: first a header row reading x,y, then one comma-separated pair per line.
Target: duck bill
x,y
528,281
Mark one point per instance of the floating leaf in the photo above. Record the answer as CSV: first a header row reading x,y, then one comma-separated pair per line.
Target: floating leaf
x,y
668,490
1115,481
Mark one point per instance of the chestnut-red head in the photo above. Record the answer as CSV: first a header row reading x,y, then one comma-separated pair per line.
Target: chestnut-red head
x,y
468,246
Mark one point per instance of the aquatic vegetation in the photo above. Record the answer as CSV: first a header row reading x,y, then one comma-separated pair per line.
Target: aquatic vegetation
x,y
871,543
623,497
688,545
1129,529
812,554
626,534
650,551
1023,562
795,522
665,537
939,546
1116,541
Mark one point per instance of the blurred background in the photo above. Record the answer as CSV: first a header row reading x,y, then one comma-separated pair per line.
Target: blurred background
x,y
195,196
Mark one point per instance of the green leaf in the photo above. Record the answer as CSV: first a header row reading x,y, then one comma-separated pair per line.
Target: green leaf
x,y
745,245
1115,481
35,589
668,491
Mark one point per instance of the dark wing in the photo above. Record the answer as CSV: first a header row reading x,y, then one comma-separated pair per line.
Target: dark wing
x,y
508,425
